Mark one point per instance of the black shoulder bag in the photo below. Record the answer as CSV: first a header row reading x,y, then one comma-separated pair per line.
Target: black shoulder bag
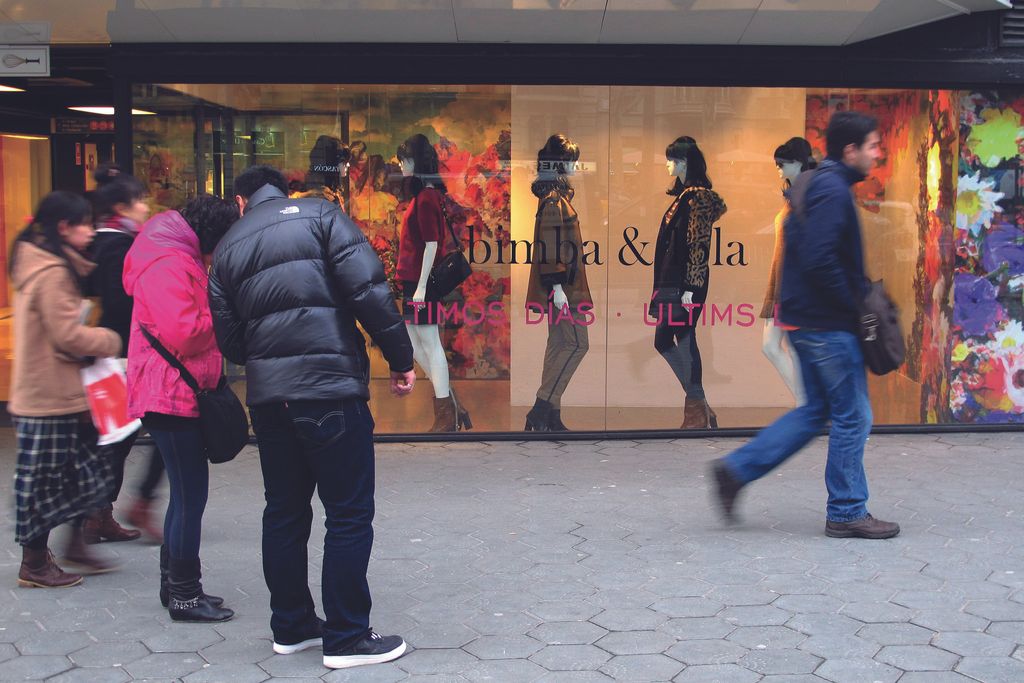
x,y
222,421
878,320
451,271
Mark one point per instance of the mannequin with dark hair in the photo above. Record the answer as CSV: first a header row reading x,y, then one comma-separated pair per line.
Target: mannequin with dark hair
x,y
792,158
424,226
557,278
681,270
328,165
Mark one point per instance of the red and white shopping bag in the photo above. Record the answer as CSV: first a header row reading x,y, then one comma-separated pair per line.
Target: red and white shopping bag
x,y
107,391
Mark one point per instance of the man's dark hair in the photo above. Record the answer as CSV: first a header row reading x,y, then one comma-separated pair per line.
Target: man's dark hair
x,y
255,177
848,128
210,217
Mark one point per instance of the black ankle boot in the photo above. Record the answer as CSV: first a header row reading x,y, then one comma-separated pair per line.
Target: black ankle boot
x,y
187,602
537,418
164,573
555,423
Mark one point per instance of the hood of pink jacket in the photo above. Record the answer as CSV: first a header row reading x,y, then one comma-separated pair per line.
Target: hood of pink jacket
x,y
165,235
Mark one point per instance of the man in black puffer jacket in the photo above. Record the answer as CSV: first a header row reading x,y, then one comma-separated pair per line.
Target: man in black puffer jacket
x,y
288,284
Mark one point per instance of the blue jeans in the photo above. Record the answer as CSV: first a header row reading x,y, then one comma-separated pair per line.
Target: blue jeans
x,y
833,370
188,473
327,446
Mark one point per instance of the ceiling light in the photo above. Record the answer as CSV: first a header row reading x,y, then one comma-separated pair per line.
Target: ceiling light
x,y
10,88
109,111
24,137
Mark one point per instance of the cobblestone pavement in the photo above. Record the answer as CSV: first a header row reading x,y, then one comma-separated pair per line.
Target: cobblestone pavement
x,y
587,562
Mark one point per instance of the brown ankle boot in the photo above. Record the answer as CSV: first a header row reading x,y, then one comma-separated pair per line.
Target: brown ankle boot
x,y
78,553
698,415
103,527
141,516
39,570
444,415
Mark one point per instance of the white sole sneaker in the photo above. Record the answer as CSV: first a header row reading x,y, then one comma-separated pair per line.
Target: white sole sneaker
x,y
298,647
346,661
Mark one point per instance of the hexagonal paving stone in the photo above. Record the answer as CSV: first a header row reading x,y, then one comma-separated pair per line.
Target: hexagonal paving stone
x,y
974,644
227,673
238,650
92,675
935,677
824,624
949,620
629,619
33,667
841,646
636,642
443,635
763,615
183,638
694,652
780,661
165,665
378,673
992,669
697,628
717,673
688,607
996,610
53,643
574,677
564,610
497,670
648,667
741,595
876,612
309,664
127,628
766,637
1008,630
503,647
805,604
857,670
916,657
571,657
568,633
492,623
109,654
436,661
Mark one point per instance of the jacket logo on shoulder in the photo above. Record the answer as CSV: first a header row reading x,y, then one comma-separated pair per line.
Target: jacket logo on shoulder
x,y
289,209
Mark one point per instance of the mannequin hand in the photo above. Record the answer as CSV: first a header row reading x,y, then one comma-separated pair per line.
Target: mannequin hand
x,y
402,383
559,299
420,294
687,298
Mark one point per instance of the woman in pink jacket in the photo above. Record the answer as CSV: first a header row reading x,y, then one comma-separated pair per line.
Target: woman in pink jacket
x,y
165,272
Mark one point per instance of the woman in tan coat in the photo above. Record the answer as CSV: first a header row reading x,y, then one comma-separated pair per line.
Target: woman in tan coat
x,y
59,476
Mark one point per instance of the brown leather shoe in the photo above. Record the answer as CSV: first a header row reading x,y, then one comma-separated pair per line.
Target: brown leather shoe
x,y
697,414
444,415
78,553
102,526
39,570
727,489
141,516
868,527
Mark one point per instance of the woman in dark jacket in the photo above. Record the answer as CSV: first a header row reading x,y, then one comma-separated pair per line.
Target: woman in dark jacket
x,y
120,207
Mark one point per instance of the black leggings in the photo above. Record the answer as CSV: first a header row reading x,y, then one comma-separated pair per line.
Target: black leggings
x,y
677,343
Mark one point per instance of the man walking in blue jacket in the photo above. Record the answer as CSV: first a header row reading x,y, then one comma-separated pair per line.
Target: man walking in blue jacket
x,y
822,282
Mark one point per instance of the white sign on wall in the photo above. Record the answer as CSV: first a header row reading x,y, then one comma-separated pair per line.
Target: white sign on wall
x,y
24,60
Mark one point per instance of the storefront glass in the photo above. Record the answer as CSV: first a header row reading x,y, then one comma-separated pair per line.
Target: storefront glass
x,y
942,226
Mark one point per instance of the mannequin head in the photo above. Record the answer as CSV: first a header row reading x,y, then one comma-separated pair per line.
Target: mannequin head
x,y
686,163
328,161
558,156
793,158
419,163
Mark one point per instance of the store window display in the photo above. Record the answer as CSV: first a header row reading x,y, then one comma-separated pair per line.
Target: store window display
x,y
558,280
423,227
792,158
681,274
328,168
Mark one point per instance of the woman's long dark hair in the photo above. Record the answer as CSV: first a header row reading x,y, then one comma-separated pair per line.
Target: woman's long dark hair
x,y
552,161
796,149
113,187
426,165
44,232
685,149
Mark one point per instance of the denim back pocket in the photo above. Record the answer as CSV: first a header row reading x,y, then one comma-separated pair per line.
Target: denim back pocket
x,y
318,423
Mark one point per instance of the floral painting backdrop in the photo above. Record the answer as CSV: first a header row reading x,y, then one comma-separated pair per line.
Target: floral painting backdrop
x,y
471,132
987,360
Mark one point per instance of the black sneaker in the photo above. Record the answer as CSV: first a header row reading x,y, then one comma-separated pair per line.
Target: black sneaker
x,y
373,649
726,490
314,638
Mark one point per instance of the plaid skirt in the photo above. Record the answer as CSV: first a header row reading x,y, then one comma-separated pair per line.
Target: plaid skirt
x,y
60,474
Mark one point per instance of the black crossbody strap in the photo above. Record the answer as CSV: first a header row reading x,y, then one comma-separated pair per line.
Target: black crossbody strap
x,y
456,243
174,362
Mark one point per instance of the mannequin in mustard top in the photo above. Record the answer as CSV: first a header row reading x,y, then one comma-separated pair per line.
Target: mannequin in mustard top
x,y
792,158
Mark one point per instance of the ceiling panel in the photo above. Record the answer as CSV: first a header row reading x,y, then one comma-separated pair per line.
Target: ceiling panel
x,y
815,28
529,21
677,21
896,15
